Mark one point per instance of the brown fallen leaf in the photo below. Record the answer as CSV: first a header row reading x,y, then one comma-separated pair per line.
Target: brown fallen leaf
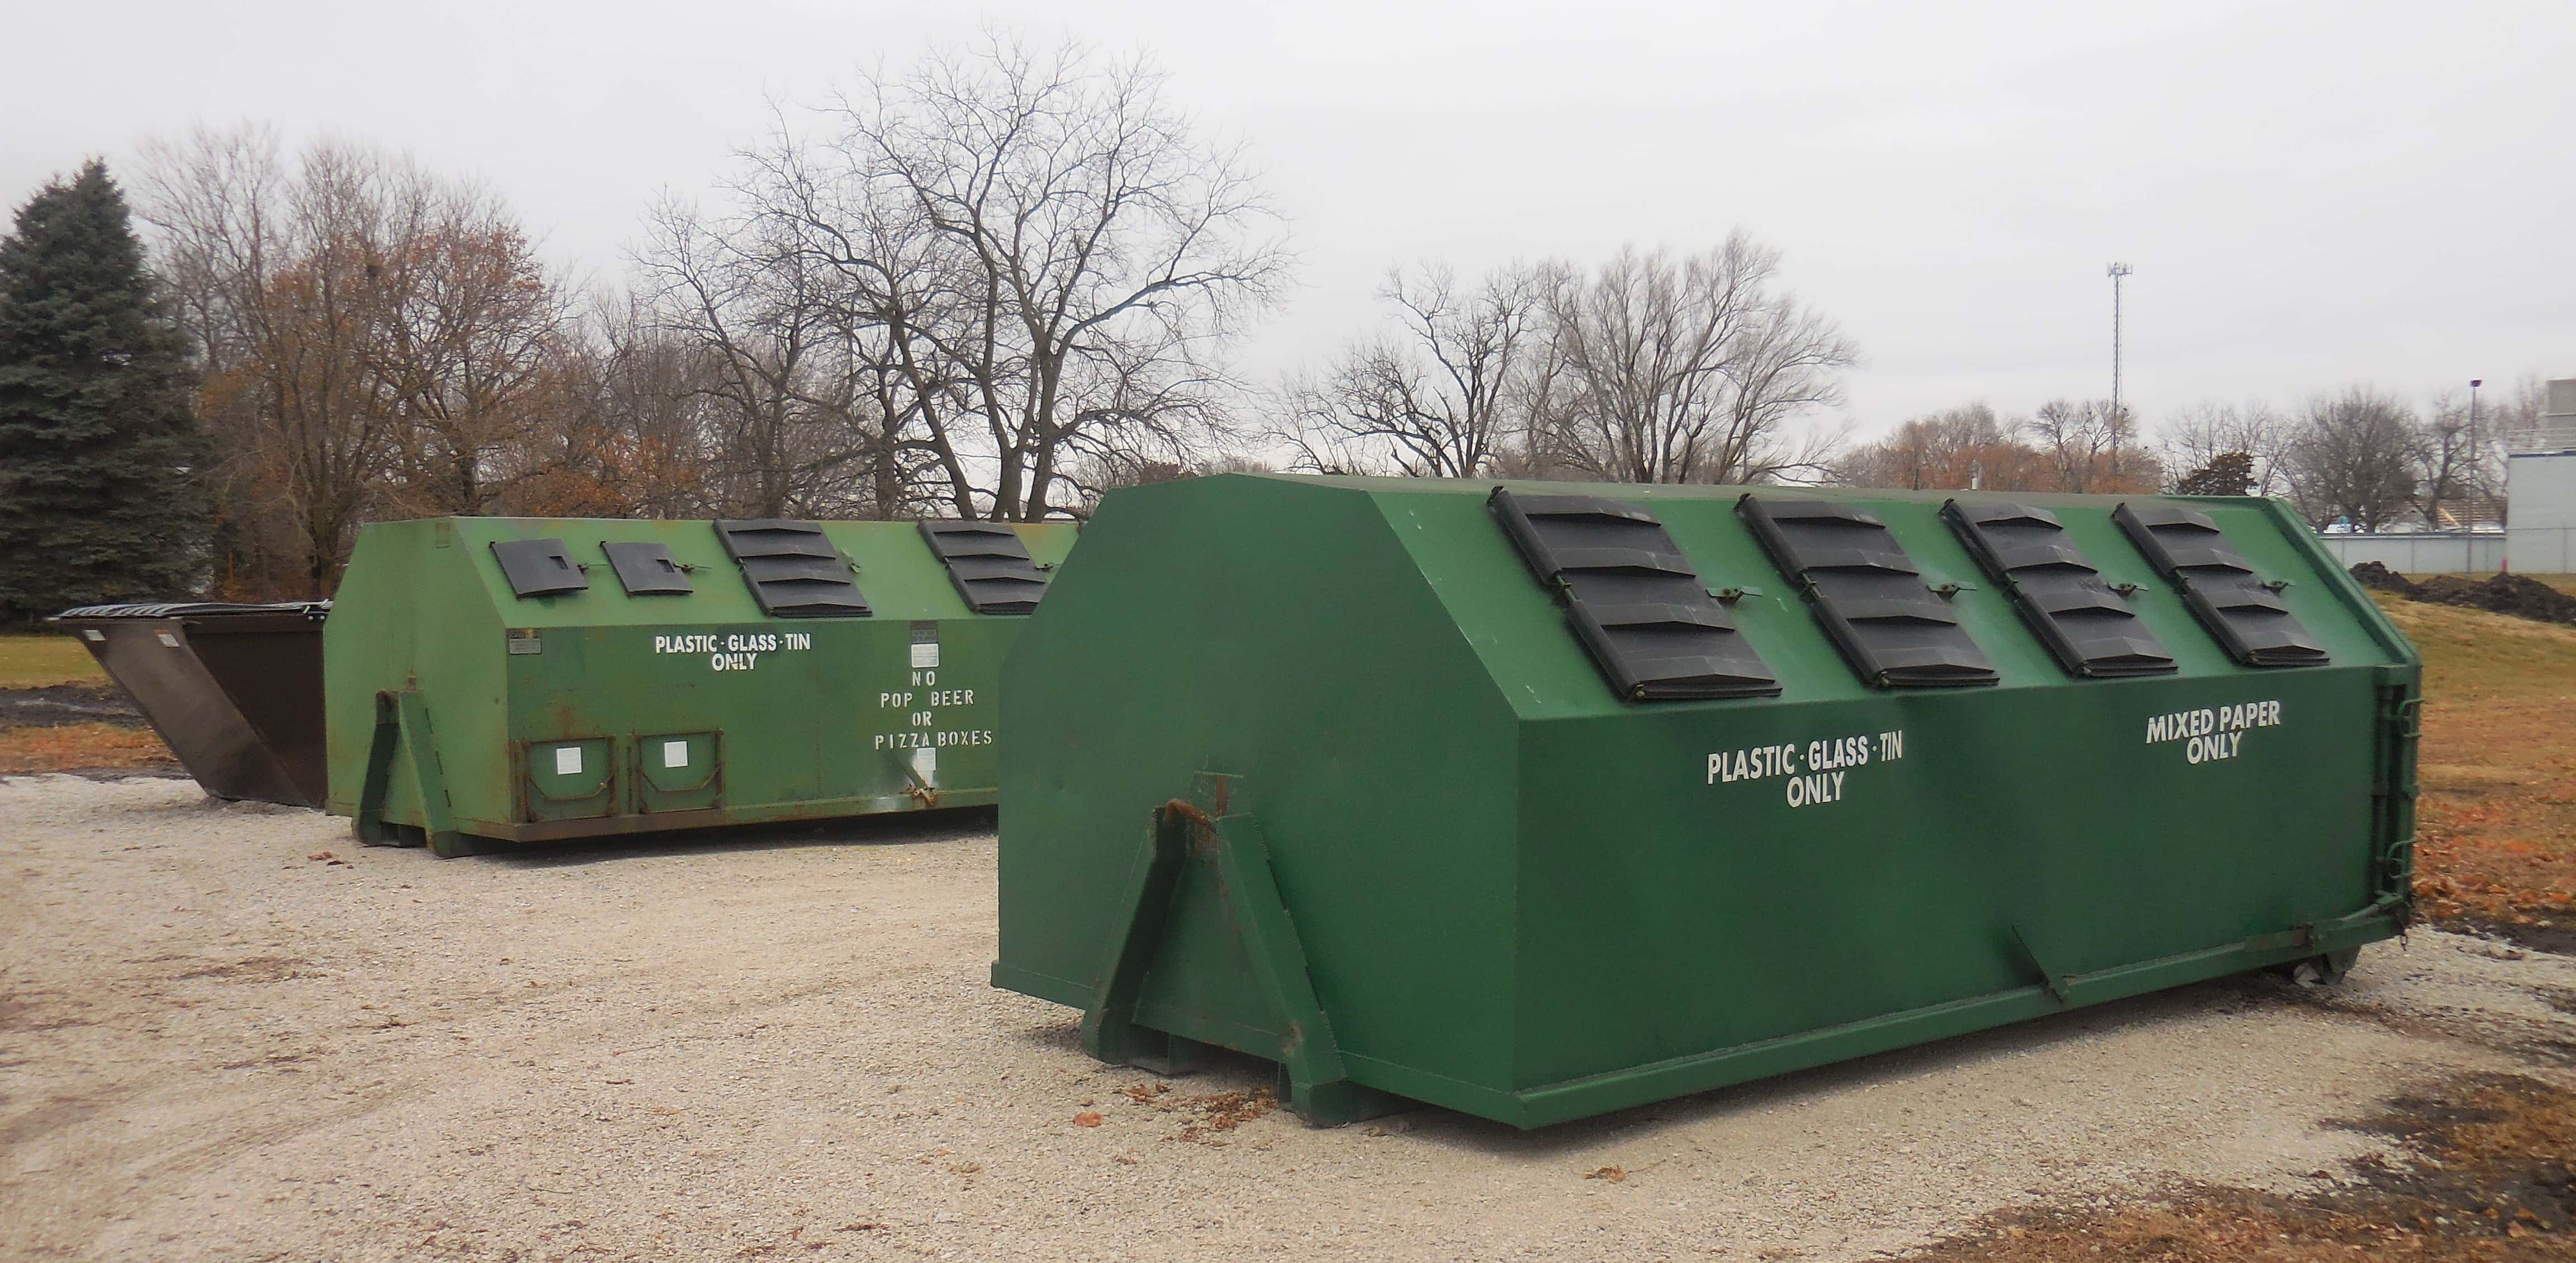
x,y
1612,1174
870,1226
319,855
1087,1118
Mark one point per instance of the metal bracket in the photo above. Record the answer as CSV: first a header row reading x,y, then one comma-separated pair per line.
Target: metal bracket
x,y
2047,977
402,720
915,788
1200,829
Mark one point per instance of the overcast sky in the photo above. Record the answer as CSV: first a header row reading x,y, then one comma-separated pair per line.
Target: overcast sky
x,y
2311,193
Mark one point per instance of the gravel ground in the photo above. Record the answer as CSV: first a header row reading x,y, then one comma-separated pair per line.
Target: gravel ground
x,y
214,1046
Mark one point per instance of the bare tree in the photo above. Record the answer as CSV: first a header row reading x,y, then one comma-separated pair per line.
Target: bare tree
x,y
2354,459
474,335
796,431
1440,396
1964,447
1051,244
2090,446
2459,464
1665,369
373,340
2195,436
277,273
633,438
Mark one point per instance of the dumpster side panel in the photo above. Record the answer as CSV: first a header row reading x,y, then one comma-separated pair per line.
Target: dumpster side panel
x,y
586,712
415,613
367,649
1673,914
171,683
1721,876
1238,625
271,670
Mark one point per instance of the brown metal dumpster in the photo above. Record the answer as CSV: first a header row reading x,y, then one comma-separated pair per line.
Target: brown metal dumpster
x,y
235,690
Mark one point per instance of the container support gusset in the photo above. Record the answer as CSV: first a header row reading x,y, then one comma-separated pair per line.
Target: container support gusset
x,y
402,723
2394,790
1183,831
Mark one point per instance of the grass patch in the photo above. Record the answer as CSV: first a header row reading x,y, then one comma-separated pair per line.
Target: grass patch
x,y
2496,825
80,748
45,659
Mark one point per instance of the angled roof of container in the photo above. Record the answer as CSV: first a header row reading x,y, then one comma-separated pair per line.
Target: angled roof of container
x,y
1449,538
899,577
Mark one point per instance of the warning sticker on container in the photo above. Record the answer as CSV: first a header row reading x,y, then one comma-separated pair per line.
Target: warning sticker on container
x,y
925,645
675,754
567,760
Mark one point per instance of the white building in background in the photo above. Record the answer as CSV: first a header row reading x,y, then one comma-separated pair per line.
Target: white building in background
x,y
2540,488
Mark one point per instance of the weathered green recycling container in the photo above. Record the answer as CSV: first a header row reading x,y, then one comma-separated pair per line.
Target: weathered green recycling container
x,y
528,680
1538,801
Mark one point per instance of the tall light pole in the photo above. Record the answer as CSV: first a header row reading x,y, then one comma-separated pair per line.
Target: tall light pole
x,y
2474,383
2117,271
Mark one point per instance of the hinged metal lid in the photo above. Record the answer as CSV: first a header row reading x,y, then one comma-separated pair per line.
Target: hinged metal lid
x,y
646,568
989,565
794,572
2247,616
1866,593
1634,600
2083,622
538,567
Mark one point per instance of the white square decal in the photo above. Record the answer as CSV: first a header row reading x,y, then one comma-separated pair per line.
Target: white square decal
x,y
675,754
925,654
925,764
567,760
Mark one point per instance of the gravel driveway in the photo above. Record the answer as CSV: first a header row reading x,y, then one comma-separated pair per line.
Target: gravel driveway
x,y
215,1046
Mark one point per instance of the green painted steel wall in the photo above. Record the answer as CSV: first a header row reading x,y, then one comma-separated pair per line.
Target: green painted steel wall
x,y
800,729
1521,897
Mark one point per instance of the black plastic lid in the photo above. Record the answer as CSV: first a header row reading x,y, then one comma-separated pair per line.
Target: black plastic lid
x,y
1634,601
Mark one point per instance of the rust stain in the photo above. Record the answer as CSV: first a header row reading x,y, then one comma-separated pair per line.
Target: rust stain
x,y
1202,827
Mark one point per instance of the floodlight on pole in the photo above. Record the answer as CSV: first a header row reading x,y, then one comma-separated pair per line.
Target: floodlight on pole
x,y
2117,271
2474,383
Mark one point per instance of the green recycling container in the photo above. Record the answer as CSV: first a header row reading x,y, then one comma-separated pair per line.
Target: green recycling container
x,y
1535,801
500,680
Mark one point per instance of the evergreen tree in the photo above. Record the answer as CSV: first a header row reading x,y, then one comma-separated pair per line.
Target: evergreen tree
x,y
2226,474
99,453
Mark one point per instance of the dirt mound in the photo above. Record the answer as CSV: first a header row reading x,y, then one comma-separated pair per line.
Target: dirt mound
x,y
2518,595
2513,594
2380,578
